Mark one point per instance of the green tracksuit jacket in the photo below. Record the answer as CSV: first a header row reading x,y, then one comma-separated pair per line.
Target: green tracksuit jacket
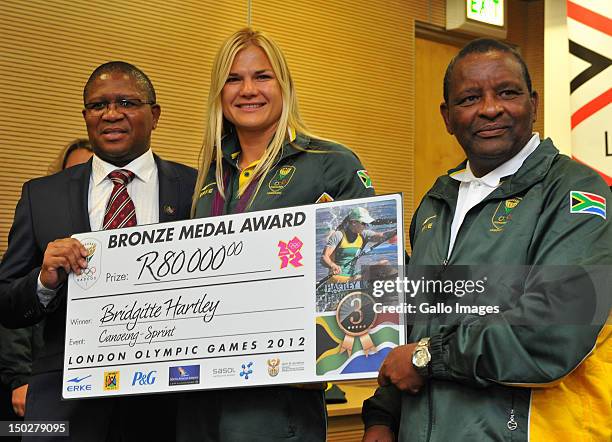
x,y
485,370
306,170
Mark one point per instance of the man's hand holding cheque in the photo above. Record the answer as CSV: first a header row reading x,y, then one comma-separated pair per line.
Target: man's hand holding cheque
x,y
61,257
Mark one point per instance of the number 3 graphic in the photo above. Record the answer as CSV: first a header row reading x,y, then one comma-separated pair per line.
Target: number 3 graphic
x,y
357,310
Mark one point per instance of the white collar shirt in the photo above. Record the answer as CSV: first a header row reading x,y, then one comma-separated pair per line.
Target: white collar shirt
x,y
143,189
473,190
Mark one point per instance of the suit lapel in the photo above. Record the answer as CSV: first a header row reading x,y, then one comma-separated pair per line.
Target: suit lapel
x,y
79,192
169,188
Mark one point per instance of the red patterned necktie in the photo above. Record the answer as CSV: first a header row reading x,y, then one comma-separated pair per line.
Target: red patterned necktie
x,y
120,210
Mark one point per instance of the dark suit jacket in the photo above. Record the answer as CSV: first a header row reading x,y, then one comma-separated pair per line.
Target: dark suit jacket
x,y
55,207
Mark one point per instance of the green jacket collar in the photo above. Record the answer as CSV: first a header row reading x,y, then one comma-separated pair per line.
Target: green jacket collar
x,y
534,169
230,146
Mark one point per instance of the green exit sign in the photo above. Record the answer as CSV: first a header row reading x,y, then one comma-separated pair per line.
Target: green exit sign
x,y
486,11
485,18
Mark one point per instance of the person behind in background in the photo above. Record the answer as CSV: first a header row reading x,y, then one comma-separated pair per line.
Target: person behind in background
x,y
120,112
529,371
258,154
78,151
20,346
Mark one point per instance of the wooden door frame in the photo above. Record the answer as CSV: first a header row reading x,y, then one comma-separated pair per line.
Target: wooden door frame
x,y
428,31
454,38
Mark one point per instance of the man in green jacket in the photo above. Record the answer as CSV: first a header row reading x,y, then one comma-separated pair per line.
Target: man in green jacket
x,y
530,367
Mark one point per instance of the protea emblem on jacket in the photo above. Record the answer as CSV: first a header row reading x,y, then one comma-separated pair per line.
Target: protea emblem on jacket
x,y
502,214
280,180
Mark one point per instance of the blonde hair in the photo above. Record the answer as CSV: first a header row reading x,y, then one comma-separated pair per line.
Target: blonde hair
x,y
290,119
59,164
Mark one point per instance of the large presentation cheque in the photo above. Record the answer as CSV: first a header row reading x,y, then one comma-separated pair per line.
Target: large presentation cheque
x,y
235,301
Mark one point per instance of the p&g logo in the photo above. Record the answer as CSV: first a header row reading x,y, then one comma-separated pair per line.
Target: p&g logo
x,y
141,378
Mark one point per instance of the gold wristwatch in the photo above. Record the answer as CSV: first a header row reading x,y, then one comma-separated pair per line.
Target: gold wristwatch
x,y
421,357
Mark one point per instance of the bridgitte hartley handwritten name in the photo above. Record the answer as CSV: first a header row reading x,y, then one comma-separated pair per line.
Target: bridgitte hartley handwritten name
x,y
130,315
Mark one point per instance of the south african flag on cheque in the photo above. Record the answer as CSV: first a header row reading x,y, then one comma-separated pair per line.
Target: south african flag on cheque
x,y
361,355
585,202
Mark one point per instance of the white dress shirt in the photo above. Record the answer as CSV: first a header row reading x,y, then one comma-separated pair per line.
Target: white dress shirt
x,y
473,190
143,189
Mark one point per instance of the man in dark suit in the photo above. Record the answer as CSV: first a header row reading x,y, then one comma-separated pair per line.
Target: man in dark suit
x,y
120,113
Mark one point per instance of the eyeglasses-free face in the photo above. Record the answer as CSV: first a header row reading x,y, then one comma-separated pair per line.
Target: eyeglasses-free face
x,y
490,110
251,98
119,118
356,226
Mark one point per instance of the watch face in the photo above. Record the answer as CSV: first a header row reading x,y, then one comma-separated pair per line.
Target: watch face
x,y
421,358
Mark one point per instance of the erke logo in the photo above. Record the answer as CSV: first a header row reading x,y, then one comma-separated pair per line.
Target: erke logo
x,y
141,378
428,223
75,384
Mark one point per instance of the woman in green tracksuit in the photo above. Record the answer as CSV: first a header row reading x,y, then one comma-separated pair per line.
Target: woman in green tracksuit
x,y
258,154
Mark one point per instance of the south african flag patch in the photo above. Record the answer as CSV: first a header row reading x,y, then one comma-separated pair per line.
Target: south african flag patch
x,y
365,179
585,202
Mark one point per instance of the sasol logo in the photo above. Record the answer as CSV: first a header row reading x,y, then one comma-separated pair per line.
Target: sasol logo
x,y
141,378
223,372
75,384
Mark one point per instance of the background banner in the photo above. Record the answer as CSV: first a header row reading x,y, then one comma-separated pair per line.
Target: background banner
x,y
589,24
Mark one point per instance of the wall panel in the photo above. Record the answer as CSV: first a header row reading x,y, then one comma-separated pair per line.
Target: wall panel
x,y
353,62
49,48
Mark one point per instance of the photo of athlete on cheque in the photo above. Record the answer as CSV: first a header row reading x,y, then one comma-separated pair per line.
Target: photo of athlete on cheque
x,y
351,240
348,242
